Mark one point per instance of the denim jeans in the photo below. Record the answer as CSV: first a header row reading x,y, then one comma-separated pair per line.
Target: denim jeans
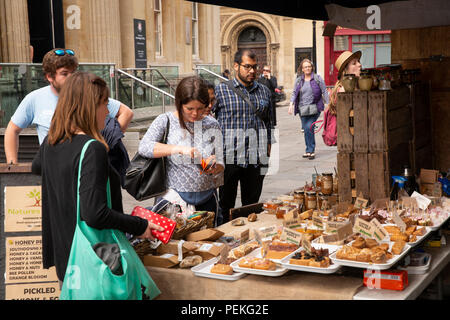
x,y
310,140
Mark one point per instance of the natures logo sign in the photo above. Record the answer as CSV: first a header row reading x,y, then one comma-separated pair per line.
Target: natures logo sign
x,y
23,209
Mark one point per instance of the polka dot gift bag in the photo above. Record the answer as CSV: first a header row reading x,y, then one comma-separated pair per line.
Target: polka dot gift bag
x,y
168,224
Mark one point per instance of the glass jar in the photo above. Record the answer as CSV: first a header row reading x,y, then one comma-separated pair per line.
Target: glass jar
x,y
318,183
272,206
327,183
281,211
365,81
311,200
349,82
299,196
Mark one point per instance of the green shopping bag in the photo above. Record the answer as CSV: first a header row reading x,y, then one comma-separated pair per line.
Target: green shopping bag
x,y
88,277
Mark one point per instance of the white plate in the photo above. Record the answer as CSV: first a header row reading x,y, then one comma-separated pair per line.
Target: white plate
x,y
285,263
418,269
204,270
369,265
434,228
331,247
279,271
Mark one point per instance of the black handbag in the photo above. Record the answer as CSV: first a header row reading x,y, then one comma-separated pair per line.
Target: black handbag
x,y
145,178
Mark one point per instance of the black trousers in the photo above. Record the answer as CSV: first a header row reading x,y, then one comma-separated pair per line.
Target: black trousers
x,y
251,187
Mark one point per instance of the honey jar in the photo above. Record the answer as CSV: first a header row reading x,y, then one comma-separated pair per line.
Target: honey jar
x,y
327,183
272,206
310,200
335,185
281,211
299,196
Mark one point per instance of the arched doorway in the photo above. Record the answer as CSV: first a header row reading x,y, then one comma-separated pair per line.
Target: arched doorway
x,y
255,39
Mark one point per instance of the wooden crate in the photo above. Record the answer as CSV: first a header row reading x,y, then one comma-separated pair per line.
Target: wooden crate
x,y
363,173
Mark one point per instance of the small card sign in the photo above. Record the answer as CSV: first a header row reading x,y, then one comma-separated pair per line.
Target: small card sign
x,y
245,235
291,236
317,220
422,201
344,231
398,221
360,202
363,227
333,226
379,233
268,232
306,244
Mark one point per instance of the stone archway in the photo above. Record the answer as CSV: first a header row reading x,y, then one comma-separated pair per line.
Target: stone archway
x,y
236,24
254,39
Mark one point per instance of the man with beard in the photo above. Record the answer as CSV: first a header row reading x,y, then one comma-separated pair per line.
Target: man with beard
x,y
245,136
39,105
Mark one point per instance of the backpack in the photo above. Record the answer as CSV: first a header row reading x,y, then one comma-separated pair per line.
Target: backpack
x,y
329,133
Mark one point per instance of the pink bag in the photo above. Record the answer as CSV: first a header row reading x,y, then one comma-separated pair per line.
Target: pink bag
x,y
329,133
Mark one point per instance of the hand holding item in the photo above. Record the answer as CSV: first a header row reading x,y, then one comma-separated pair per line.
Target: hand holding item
x,y
148,232
187,151
291,109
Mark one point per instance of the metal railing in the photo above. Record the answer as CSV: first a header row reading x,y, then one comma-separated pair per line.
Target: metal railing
x,y
144,83
199,70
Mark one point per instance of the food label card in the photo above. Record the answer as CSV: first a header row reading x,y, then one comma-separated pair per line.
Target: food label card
x,y
363,227
317,220
398,221
360,202
291,236
379,233
306,244
344,231
422,201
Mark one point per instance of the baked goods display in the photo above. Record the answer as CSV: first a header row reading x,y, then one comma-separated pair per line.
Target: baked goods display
x,y
221,268
410,235
191,261
318,258
369,251
257,263
241,251
279,249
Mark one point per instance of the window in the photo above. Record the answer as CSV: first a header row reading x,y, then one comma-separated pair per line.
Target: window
x,y
376,49
158,28
194,41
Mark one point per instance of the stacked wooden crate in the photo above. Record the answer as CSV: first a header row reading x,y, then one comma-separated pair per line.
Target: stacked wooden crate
x,y
374,141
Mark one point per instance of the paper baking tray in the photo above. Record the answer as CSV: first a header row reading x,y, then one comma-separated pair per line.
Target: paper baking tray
x,y
279,271
331,269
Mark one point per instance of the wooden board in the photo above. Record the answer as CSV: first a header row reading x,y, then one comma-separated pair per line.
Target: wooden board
x,y
360,120
344,177
376,121
344,136
378,176
362,174
244,211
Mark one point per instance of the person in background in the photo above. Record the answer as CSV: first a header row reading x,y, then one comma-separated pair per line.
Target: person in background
x,y
346,63
237,118
307,100
270,82
226,74
39,105
79,116
212,99
192,135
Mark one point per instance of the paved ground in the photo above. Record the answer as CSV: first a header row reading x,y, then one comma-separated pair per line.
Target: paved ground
x,y
292,171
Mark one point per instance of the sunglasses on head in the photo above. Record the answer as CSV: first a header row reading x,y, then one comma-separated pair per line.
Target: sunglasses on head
x,y
61,52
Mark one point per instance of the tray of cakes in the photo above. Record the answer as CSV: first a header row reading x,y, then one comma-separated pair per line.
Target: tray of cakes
x,y
216,269
256,264
369,254
412,235
317,260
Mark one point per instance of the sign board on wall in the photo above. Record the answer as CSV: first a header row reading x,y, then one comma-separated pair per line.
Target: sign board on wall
x,y
23,209
140,44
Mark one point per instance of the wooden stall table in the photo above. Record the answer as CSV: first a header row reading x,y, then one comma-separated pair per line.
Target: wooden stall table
x,y
182,284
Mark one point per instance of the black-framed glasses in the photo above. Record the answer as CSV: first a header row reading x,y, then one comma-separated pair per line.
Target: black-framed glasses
x,y
247,67
266,70
61,52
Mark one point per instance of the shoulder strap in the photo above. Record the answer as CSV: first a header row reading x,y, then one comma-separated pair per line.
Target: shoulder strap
x,y
108,191
242,95
166,133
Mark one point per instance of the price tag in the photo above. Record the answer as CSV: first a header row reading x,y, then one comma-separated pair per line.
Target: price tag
x,y
379,233
268,232
333,226
245,235
306,244
360,202
363,227
317,220
291,236
398,221
344,231
422,202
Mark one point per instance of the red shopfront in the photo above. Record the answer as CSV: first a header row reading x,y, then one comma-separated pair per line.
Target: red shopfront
x,y
374,45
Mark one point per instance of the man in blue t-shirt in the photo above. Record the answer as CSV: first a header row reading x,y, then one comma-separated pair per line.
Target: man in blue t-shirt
x,y
39,105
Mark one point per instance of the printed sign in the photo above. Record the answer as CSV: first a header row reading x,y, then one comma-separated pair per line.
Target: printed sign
x,y
398,221
379,233
291,236
23,209
24,261
32,291
363,227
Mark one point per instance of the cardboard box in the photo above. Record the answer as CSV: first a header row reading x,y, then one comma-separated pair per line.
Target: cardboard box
x,y
428,176
431,189
166,260
172,247
208,250
386,279
205,235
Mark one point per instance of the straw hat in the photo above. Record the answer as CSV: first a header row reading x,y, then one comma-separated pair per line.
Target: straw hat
x,y
344,59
